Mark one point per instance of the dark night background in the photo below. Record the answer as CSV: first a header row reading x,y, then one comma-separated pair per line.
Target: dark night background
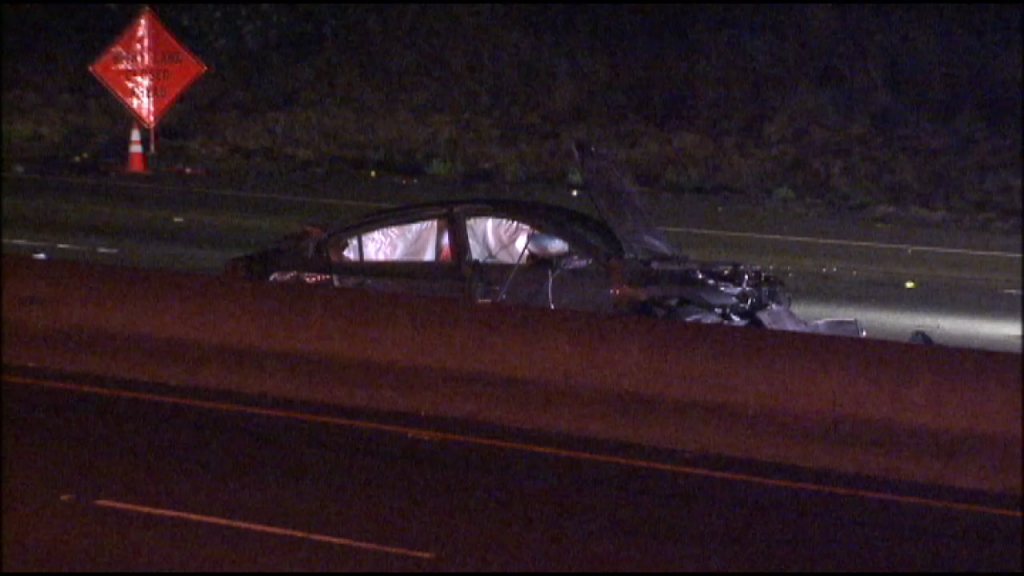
x,y
865,108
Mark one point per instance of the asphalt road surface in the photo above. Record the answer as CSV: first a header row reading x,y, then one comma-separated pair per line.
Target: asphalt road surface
x,y
101,475
962,289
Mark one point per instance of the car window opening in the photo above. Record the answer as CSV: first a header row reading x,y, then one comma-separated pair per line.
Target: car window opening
x,y
425,241
496,240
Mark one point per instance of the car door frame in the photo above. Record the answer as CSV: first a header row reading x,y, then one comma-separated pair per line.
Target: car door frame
x,y
486,281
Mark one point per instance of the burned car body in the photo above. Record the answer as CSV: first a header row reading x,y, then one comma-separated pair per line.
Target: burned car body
x,y
535,254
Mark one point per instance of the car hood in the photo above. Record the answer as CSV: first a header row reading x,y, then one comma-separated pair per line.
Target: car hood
x,y
618,204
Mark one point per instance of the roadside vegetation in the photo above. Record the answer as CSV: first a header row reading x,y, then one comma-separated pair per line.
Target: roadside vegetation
x,y
873,109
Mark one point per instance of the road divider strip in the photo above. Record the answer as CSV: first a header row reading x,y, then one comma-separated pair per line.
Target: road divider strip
x,y
925,414
671,229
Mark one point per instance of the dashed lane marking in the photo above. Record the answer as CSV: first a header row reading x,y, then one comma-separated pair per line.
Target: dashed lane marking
x,y
252,526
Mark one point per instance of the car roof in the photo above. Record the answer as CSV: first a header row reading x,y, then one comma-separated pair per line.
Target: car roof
x,y
570,224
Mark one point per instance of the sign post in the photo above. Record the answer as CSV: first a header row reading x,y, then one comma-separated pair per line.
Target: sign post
x,y
147,69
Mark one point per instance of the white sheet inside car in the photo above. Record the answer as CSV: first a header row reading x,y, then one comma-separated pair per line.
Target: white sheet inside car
x,y
496,239
416,242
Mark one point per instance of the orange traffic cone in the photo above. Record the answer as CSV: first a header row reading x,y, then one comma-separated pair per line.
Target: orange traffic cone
x,y
136,156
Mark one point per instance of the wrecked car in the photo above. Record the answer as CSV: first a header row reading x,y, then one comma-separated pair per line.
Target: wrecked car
x,y
536,254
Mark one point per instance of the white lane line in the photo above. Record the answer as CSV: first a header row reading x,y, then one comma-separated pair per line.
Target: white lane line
x,y
262,528
61,246
907,247
445,436
21,242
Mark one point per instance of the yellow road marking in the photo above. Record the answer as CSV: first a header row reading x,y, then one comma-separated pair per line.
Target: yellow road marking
x,y
215,191
432,435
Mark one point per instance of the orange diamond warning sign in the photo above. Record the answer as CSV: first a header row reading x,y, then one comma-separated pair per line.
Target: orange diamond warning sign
x,y
147,68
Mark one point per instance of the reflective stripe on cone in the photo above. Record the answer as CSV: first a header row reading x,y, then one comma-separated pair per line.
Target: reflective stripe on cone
x,y
136,156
